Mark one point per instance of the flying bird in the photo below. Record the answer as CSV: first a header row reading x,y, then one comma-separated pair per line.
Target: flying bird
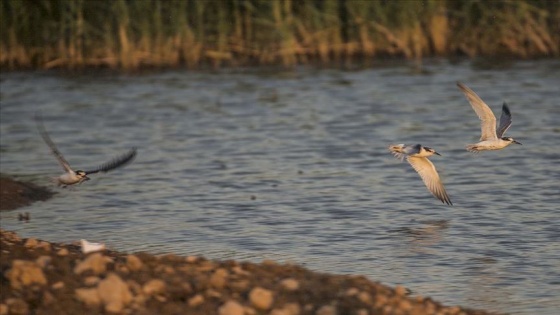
x,y
71,177
417,155
492,136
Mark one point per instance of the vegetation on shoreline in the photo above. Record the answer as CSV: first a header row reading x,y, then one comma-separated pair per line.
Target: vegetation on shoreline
x,y
128,35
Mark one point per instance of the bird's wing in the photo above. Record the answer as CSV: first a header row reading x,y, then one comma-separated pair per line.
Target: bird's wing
x,y
430,176
484,113
505,121
115,163
50,143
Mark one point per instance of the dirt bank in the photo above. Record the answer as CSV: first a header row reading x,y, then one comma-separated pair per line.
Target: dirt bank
x,y
15,194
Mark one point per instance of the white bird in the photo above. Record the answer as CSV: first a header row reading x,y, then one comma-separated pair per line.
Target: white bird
x,y
71,177
90,247
417,155
492,137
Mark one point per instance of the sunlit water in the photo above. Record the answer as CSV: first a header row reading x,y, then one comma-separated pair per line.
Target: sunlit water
x,y
293,166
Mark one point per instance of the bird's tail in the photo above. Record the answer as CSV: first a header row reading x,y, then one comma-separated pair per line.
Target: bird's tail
x,y
472,148
397,150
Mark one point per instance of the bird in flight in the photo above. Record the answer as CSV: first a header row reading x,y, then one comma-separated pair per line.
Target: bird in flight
x,y
71,177
417,155
492,137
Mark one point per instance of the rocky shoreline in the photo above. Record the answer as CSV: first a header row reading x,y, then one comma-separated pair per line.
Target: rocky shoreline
x,y
40,277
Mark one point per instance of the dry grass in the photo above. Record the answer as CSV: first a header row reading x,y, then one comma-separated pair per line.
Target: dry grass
x,y
132,34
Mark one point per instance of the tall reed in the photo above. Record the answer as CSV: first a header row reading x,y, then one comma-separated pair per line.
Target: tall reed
x,y
129,35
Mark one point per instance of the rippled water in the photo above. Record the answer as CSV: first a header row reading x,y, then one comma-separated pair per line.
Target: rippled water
x,y
293,166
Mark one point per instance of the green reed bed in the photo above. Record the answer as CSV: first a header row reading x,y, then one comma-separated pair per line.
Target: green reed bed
x,y
129,34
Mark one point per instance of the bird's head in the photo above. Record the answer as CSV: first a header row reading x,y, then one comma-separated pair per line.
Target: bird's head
x,y
510,139
82,175
432,151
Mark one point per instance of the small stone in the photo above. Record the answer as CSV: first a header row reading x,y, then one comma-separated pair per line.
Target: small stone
x,y
290,284
90,297
231,308
380,300
17,306
239,270
62,252
95,262
57,286
326,310
405,306
249,310
288,309
133,263
24,273
261,298
213,293
153,287
43,261
196,300
362,311
364,297
114,293
352,292
191,259
218,278
400,290
91,281
3,309
44,245
48,298
31,243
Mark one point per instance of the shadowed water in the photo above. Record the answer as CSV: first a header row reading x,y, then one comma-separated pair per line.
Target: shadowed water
x,y
293,166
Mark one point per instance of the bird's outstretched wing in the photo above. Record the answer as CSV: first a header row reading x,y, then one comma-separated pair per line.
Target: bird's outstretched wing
x,y
505,121
50,143
430,176
115,163
484,113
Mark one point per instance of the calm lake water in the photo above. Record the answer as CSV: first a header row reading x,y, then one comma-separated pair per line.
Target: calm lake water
x,y
293,166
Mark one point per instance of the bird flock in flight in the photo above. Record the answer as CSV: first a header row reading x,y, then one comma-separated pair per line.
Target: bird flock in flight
x,y
491,139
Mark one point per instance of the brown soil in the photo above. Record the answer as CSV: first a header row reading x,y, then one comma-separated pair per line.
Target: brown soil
x,y
15,194
39,277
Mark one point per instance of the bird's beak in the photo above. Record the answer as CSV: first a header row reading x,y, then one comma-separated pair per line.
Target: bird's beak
x,y
437,153
517,142
86,178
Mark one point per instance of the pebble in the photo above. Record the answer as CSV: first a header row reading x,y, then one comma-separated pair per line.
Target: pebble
x,y
91,281
352,292
62,252
290,284
24,273
114,293
43,261
3,309
326,310
133,263
400,290
153,287
57,286
219,278
364,297
261,298
231,308
31,243
89,297
191,259
95,262
17,306
196,300
288,309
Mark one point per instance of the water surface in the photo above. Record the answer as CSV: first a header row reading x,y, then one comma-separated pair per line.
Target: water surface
x,y
293,166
